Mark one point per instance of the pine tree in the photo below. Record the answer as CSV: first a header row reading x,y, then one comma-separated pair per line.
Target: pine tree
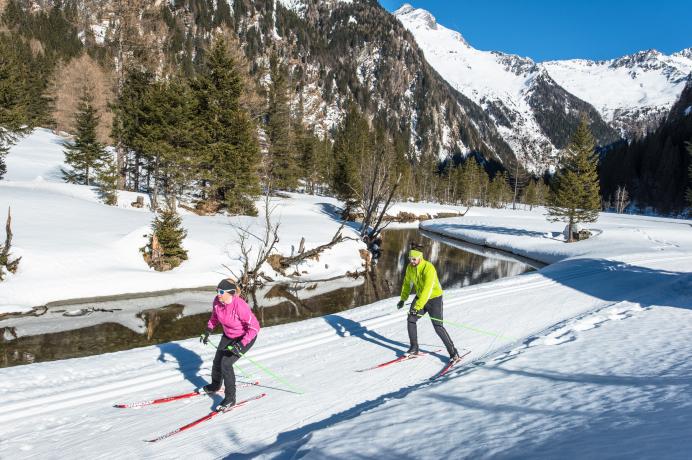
x,y
127,115
168,135
283,163
86,153
107,179
576,194
13,109
351,144
228,149
164,251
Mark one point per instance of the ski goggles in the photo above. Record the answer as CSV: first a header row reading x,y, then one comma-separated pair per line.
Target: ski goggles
x,y
223,291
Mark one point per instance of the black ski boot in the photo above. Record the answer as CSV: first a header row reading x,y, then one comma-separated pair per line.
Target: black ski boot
x,y
226,404
455,357
208,389
412,350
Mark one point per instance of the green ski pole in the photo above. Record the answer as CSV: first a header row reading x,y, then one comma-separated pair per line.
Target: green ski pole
x,y
470,328
267,371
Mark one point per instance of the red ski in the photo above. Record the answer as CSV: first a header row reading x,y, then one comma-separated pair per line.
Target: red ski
x,y
448,367
209,416
397,360
192,394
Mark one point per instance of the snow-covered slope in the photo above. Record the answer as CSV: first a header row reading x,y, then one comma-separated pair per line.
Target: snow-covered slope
x,y
587,358
528,107
633,93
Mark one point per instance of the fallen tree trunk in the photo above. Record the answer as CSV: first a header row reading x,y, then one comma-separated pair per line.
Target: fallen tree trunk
x,y
281,263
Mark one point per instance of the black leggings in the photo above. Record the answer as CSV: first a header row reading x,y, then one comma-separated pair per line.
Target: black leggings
x,y
434,309
223,365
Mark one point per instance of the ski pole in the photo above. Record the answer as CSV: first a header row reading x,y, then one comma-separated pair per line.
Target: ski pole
x,y
267,371
471,328
245,374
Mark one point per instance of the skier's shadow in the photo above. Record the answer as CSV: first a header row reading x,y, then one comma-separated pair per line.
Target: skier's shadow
x,y
189,362
355,329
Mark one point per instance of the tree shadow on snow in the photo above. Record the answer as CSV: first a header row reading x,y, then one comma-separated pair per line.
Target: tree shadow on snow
x,y
450,229
334,212
616,281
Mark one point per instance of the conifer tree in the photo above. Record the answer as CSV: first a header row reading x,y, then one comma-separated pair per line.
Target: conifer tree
x,y
283,163
576,194
85,153
535,193
107,179
164,250
228,149
351,144
168,135
13,110
127,114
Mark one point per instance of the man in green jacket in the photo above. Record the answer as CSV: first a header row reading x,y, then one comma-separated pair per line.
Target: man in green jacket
x,y
422,275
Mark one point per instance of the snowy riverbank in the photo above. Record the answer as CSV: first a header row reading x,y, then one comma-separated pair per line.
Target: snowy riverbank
x,y
73,246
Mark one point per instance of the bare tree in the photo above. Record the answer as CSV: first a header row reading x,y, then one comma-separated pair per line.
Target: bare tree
x,y
518,179
255,249
70,81
5,262
622,199
378,185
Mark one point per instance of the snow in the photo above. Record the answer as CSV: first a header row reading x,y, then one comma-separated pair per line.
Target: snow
x,y
587,357
618,85
73,246
484,77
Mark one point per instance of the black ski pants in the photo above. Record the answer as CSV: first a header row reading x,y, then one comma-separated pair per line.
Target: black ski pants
x,y
222,369
434,308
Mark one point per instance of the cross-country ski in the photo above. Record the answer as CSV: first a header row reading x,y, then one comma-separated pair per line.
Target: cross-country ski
x,y
209,416
402,358
166,399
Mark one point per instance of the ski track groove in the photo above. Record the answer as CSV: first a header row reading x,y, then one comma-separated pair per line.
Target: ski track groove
x,y
73,398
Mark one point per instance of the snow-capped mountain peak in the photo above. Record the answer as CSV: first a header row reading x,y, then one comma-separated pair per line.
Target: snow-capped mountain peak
x,y
624,97
518,94
685,53
419,18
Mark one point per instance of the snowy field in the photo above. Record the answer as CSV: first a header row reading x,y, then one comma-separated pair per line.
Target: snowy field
x,y
589,357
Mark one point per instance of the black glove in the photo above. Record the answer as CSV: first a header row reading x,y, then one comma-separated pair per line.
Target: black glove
x,y
400,305
234,348
413,311
204,337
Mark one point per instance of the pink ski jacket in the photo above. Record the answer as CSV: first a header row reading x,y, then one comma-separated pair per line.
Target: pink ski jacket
x,y
237,319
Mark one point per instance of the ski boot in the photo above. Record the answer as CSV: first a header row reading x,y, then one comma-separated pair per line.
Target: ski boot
x,y
226,404
412,350
208,389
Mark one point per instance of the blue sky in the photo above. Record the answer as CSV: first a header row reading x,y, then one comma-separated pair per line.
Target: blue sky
x,y
565,29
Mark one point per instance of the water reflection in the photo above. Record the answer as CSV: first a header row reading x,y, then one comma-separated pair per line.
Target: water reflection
x,y
124,324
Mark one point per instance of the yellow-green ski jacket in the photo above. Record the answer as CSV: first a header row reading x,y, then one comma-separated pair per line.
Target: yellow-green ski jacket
x,y
425,283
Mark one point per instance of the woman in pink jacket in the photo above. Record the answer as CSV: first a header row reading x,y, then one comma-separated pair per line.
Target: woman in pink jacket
x,y
240,328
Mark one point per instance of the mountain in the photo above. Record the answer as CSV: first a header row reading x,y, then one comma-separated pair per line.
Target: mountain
x,y
336,52
533,113
633,93
654,169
